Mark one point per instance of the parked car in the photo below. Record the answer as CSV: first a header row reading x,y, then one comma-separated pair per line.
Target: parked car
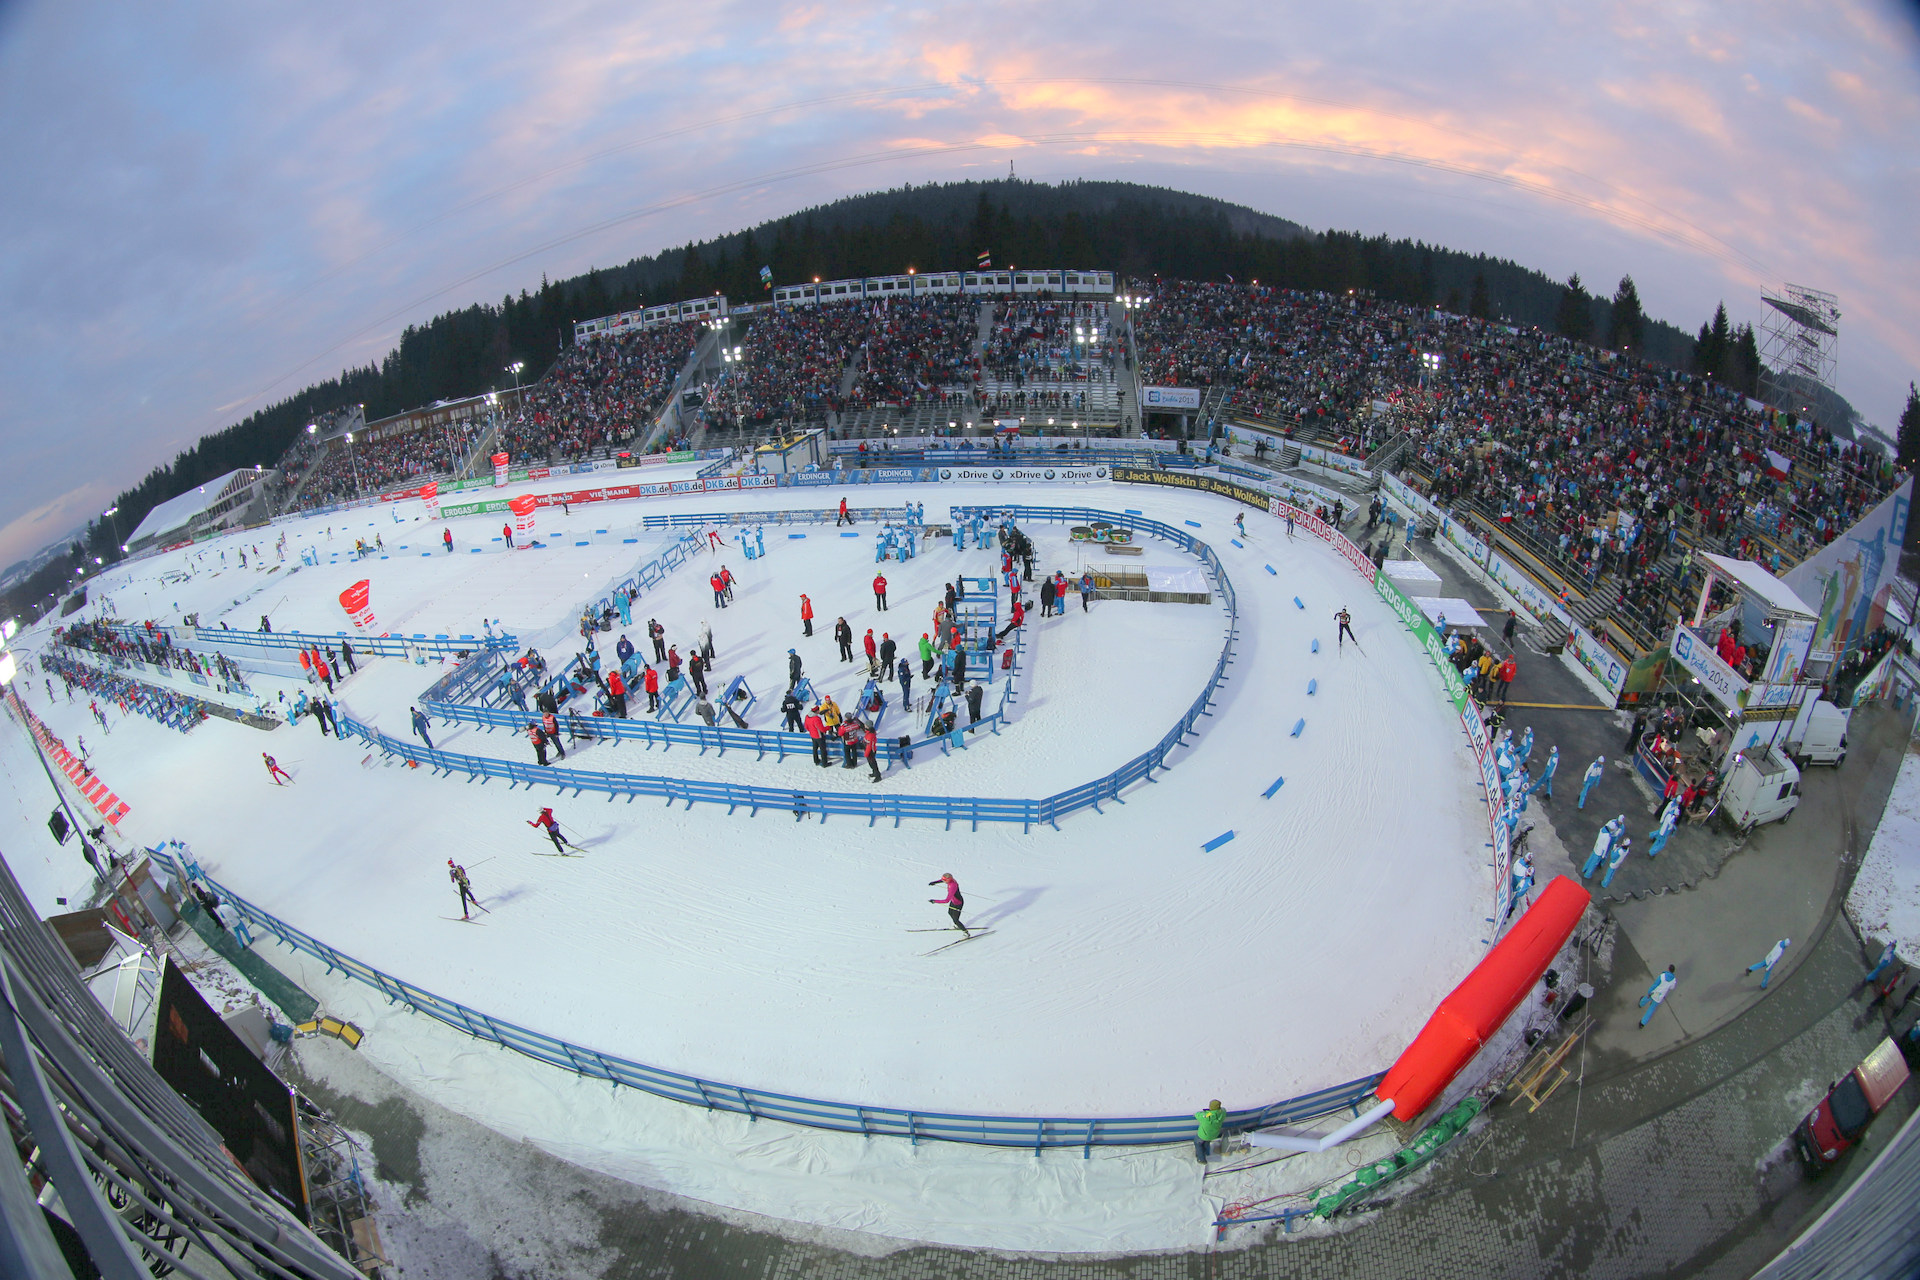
x,y
1837,1122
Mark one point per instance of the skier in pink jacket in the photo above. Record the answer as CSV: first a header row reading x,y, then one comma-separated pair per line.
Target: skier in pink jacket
x,y
953,901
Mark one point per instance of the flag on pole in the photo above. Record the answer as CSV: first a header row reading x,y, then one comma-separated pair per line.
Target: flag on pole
x,y
986,259
766,277
1778,465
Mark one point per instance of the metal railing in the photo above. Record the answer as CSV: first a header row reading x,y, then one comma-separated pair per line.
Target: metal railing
x,y
1033,1132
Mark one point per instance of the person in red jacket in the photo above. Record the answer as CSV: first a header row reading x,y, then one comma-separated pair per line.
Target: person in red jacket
x,y
880,592
873,662
651,681
1508,670
817,730
325,673
806,615
552,824
446,536
1019,616
844,517
617,693
719,590
506,531
873,753
673,663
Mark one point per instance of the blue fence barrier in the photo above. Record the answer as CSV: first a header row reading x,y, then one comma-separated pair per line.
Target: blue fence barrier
x,y
1035,1133
388,646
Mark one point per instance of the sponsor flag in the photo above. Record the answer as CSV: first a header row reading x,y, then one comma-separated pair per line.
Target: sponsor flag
x,y
766,277
1778,465
986,259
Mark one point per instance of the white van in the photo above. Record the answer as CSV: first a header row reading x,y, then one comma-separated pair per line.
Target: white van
x,y
1761,786
1820,734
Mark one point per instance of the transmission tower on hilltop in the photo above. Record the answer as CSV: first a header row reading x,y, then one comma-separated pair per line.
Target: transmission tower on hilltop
x,y
1799,348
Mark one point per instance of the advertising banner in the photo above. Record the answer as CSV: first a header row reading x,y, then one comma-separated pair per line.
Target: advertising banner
x,y
538,473
1174,398
1334,461
1320,529
492,506
1850,575
1186,480
1791,636
523,508
1027,475
430,494
1698,657
500,461
1597,660
357,600
1426,637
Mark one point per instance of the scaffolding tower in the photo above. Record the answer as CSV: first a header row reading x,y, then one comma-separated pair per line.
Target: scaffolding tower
x,y
1799,347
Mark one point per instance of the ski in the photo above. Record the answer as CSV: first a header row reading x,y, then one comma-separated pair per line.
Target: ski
x,y
538,854
977,933
462,920
947,929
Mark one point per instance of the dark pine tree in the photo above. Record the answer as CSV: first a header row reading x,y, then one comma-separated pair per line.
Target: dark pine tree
x,y
1575,317
1627,320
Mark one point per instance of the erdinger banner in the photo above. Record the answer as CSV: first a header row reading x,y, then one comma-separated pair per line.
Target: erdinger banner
x,y
499,469
357,600
523,508
430,495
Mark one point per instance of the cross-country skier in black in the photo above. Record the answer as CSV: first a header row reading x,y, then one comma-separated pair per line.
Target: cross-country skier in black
x,y
458,874
546,819
953,902
1345,620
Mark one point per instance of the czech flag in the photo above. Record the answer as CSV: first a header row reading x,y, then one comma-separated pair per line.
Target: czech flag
x,y
1778,465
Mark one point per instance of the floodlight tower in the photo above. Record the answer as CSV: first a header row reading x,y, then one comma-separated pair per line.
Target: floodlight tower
x,y
1799,346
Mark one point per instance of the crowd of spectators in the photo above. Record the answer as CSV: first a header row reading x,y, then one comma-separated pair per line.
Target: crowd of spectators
x,y
1307,359
1044,339
368,467
794,360
175,710
916,351
599,392
150,645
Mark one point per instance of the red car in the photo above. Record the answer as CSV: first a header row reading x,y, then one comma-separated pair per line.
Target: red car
x,y
1833,1126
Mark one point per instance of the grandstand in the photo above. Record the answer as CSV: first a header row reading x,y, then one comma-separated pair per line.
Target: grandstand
x,y
217,504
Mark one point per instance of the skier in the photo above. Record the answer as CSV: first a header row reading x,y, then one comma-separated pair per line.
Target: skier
x,y
506,531
1668,817
844,517
1591,779
1772,958
274,771
880,592
458,874
1345,633
843,636
793,669
726,584
713,539
871,649
1546,774
1289,515
806,615
953,902
420,726
1657,994
546,819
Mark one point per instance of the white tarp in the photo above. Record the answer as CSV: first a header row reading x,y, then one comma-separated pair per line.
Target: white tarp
x,y
1777,595
1457,612
1409,571
1178,577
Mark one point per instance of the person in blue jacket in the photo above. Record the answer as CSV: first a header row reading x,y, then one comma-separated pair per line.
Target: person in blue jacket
x,y
1546,774
420,726
1591,779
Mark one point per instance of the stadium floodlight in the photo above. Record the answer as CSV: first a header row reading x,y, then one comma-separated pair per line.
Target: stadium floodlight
x,y
8,630
7,667
312,427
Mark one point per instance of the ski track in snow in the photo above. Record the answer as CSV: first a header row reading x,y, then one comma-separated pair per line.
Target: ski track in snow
x,y
1130,972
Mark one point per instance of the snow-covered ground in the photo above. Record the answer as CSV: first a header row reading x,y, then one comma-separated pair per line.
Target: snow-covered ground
x,y
1128,972
1885,899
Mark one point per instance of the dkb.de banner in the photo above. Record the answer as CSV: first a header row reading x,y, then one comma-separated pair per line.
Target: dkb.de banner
x,y
1424,633
1184,480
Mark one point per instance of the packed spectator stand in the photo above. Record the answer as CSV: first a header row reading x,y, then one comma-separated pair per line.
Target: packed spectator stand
x,y
599,393
346,471
152,645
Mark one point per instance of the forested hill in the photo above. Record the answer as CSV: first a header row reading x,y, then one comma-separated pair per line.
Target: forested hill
x,y
1133,229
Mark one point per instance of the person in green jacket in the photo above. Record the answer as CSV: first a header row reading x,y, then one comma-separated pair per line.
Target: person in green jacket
x,y
926,656
1207,1127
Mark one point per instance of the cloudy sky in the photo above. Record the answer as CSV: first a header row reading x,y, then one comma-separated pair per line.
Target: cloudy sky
x,y
209,205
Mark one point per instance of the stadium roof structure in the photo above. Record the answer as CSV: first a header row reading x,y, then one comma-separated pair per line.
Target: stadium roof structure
x,y
212,499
